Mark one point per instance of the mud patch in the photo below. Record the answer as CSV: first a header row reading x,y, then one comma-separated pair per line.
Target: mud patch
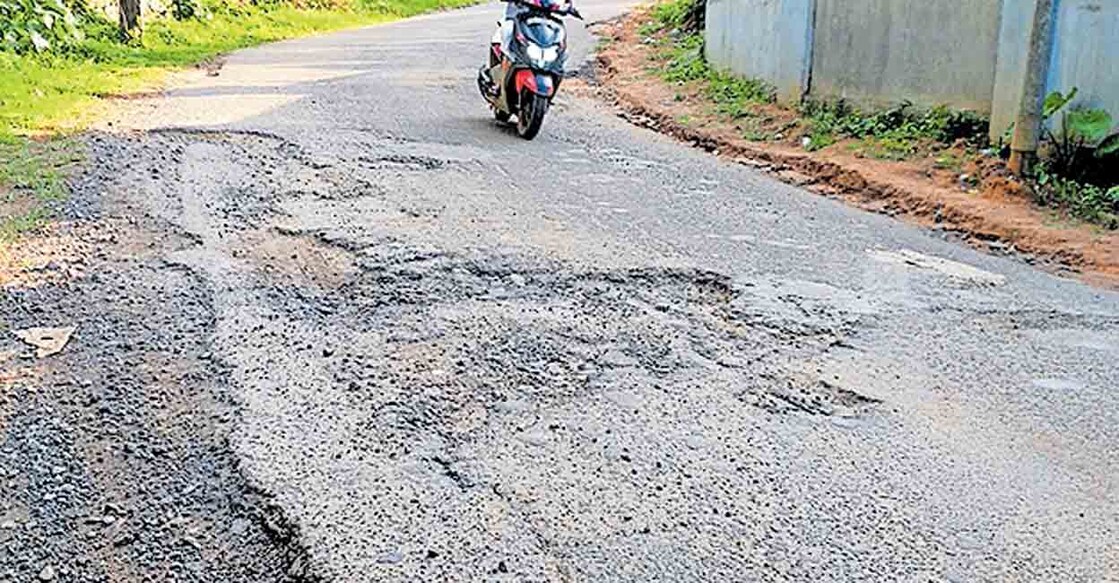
x,y
296,260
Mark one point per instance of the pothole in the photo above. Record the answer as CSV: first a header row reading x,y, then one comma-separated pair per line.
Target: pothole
x,y
438,334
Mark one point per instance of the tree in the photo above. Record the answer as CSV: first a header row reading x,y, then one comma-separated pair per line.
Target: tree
x,y
129,18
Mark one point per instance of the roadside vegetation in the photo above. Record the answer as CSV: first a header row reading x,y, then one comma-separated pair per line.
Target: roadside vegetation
x,y
1079,176
59,57
32,175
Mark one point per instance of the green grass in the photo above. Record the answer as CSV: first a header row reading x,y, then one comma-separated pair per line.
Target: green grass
x,y
31,177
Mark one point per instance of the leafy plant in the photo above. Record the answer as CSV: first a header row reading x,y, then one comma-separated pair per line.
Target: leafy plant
x,y
733,95
188,9
1082,139
37,26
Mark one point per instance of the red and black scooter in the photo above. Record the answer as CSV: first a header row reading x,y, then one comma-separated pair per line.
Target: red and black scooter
x,y
521,79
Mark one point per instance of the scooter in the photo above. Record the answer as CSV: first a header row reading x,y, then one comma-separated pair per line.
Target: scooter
x,y
524,72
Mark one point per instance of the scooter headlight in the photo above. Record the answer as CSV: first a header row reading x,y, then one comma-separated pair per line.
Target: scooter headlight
x,y
534,52
540,55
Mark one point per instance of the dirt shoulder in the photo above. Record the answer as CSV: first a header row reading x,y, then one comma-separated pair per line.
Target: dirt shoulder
x,y
973,199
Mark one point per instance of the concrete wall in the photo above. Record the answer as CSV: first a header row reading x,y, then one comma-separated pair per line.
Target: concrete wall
x,y
1085,55
969,54
764,39
931,52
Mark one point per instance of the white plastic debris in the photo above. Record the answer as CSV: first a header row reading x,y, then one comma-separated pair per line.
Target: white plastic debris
x,y
47,341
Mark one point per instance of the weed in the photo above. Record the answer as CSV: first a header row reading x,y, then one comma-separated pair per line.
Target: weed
x,y
893,134
1084,201
949,160
886,148
671,15
734,95
31,177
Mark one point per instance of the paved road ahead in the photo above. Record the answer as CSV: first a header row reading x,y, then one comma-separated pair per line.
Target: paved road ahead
x,y
596,356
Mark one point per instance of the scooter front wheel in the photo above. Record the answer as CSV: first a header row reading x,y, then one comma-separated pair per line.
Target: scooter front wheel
x,y
531,116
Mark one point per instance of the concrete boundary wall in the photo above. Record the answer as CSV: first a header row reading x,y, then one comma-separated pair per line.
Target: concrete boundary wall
x,y
764,39
968,54
930,52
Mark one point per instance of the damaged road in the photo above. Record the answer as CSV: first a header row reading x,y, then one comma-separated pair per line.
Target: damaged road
x,y
333,324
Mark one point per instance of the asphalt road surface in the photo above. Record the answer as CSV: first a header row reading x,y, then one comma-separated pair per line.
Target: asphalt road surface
x,y
334,323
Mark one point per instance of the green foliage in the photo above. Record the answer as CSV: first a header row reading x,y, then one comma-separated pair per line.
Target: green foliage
x,y
1085,201
886,148
1082,141
685,61
188,9
37,26
671,15
902,122
733,95
31,176
1078,171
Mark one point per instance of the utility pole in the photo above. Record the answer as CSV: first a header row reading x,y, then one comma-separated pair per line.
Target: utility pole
x,y
1027,127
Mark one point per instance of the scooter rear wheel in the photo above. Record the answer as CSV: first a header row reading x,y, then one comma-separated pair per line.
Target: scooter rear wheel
x,y
531,116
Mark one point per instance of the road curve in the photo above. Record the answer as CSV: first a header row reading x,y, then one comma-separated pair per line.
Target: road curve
x,y
600,355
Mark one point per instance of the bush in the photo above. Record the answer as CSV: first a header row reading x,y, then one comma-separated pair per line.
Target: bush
x,y
1082,147
37,26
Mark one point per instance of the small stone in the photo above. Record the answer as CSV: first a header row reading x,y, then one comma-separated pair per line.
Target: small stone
x,y
47,574
239,526
501,568
9,525
390,558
